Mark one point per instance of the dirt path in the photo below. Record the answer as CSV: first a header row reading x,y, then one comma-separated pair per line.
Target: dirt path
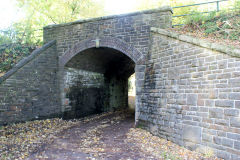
x,y
110,136
99,138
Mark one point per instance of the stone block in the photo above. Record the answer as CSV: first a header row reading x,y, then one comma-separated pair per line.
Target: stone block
x,y
192,99
139,83
236,74
235,82
213,94
234,96
140,68
221,122
173,73
216,113
221,133
224,76
222,64
197,75
227,142
212,77
223,95
237,145
162,102
209,103
235,122
190,145
185,76
217,140
140,75
154,129
192,133
233,136
207,138
237,104
200,102
223,155
235,157
231,112
224,103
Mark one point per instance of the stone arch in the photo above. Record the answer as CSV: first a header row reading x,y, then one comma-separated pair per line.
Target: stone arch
x,y
103,42
109,42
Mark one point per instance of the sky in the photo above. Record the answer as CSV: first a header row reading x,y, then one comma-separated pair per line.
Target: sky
x,y
119,6
8,13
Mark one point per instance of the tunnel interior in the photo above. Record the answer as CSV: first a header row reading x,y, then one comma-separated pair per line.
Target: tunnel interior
x,y
96,81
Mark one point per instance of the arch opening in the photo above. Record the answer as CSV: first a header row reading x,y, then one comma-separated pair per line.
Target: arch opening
x,y
132,92
96,80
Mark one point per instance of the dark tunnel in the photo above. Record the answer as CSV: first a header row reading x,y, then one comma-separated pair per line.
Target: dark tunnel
x,y
96,81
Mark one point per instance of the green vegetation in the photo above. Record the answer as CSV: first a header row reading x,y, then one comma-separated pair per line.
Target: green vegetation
x,y
182,11
12,53
170,156
224,24
40,13
13,48
141,126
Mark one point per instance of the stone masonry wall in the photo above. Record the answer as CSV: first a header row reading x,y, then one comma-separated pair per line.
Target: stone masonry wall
x,y
191,96
30,90
87,93
83,93
133,29
118,93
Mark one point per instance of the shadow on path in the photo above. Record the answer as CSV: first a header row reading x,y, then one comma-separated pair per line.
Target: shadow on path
x,y
97,137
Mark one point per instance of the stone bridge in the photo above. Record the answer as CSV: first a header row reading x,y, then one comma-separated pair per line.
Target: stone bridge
x,y
187,90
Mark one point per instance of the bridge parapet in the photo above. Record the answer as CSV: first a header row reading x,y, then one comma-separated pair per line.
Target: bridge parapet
x,y
133,28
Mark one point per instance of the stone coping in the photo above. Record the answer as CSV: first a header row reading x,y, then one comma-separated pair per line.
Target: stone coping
x,y
26,60
162,9
230,50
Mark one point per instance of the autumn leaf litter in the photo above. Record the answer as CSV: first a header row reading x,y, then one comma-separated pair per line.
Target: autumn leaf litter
x,y
17,141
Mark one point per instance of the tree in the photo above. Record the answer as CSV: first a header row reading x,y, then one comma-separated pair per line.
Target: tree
x,y
61,11
39,13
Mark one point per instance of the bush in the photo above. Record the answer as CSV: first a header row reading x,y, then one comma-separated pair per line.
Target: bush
x,y
199,18
14,46
182,11
12,53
